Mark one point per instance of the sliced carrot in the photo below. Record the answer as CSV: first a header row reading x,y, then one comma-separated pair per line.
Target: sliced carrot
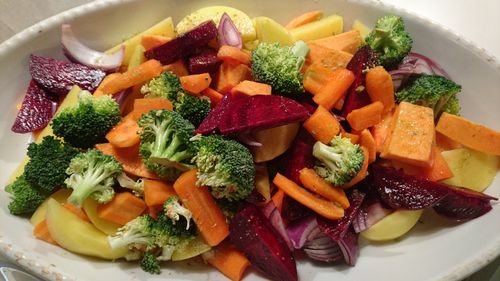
x,y
137,75
366,116
150,41
348,41
123,208
156,192
41,231
354,138
228,260
316,77
125,133
334,89
129,158
251,88
366,140
277,199
145,105
196,83
380,87
214,96
312,181
178,68
207,215
327,57
230,75
77,211
327,209
363,172
322,125
233,55
380,131
440,169
98,92
305,18
468,133
445,143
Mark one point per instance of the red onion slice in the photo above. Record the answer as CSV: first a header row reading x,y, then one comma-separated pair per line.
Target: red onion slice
x,y
302,231
80,53
369,214
228,33
274,216
323,248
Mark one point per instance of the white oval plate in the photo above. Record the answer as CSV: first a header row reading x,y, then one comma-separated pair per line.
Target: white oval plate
x,y
435,250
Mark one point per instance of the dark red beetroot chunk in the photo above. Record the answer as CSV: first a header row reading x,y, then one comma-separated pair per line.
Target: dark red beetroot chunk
x,y
464,204
57,76
210,124
364,58
36,110
254,235
185,44
260,112
205,61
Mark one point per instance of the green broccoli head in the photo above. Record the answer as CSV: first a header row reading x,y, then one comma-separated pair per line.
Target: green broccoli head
x,y
136,233
137,187
194,109
167,85
390,40
280,67
26,197
174,210
93,174
170,232
48,163
434,91
339,161
150,264
226,166
165,142
88,122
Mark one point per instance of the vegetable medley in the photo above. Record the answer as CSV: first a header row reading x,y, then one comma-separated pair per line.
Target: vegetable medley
x,y
245,142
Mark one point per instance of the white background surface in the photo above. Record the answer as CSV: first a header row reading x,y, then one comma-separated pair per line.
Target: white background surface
x,y
478,21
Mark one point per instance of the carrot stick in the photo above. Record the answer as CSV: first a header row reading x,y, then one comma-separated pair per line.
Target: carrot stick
x,y
156,192
469,134
304,19
366,139
339,104
128,104
251,88
150,41
363,172
196,83
233,55
153,211
334,89
380,88
41,231
381,130
129,158
312,181
214,96
123,208
110,77
323,207
140,74
277,199
228,260
125,133
322,125
316,77
77,211
178,68
206,214
366,116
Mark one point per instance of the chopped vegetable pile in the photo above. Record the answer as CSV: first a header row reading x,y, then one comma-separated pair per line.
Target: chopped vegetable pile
x,y
246,143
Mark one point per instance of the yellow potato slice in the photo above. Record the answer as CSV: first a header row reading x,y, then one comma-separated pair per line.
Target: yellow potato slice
x,y
275,141
361,27
322,28
90,207
39,215
270,31
189,249
392,226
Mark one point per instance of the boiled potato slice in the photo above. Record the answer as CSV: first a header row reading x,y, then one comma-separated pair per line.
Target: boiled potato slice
x,y
471,169
241,20
361,27
90,207
251,45
39,215
274,142
78,236
262,184
270,31
324,27
189,249
392,226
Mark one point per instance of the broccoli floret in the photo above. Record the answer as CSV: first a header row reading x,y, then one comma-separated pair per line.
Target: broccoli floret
x,y
26,197
88,122
434,91
93,174
280,67
174,210
48,163
167,85
339,161
149,263
226,166
137,233
168,232
194,109
165,144
390,40
137,187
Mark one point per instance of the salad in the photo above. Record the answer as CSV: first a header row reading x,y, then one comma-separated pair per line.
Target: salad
x,y
245,143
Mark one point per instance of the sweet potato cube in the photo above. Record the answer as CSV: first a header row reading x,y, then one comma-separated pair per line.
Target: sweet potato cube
x,y
123,208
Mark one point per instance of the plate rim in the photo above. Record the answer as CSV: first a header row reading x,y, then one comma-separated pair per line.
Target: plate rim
x,y
16,254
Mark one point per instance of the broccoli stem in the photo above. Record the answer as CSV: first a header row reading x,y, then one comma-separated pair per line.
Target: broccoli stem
x,y
330,159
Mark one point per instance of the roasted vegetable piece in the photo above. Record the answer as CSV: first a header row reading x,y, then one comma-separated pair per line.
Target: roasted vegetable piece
x,y
390,40
26,197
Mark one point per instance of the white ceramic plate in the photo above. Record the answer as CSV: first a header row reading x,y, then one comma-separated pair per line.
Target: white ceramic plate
x,y
435,250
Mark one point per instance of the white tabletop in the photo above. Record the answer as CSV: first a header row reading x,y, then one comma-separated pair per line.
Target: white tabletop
x,y
476,20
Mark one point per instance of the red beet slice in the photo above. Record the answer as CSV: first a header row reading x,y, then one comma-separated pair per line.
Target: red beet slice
x,y
185,44
402,191
254,235
210,124
36,110
357,96
260,112
464,204
57,76
205,61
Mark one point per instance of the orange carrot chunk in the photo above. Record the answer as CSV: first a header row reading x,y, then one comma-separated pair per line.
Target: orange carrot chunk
x,y
348,41
312,181
327,209
230,75
142,106
334,89
277,199
354,138
196,83
366,139
381,130
156,192
305,18
124,134
251,88
207,215
150,41
123,208
178,68
233,55
445,143
380,87
214,96
228,260
98,92
365,117
440,169
41,231
322,125
316,77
